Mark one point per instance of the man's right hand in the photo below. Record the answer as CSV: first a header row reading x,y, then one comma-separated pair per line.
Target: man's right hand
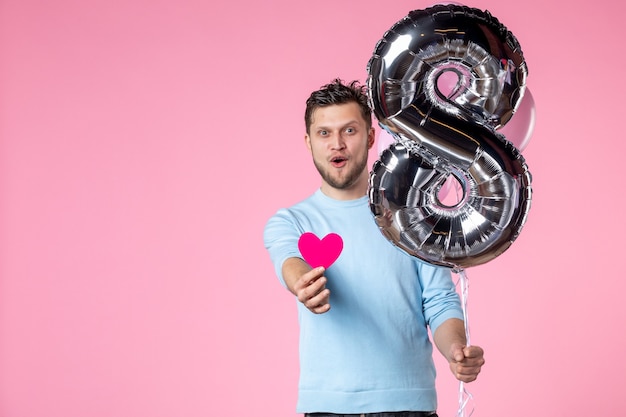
x,y
308,285
312,292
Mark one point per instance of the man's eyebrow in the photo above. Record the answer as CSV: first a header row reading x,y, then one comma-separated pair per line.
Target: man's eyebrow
x,y
351,122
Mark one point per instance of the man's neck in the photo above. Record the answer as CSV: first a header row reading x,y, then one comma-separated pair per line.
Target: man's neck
x,y
353,193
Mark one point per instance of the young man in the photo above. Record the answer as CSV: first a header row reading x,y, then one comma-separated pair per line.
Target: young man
x,y
370,352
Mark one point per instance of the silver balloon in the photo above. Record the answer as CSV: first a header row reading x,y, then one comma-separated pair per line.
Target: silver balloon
x,y
443,133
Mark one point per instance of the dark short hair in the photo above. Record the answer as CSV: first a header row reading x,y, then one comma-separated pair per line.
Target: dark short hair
x,y
337,92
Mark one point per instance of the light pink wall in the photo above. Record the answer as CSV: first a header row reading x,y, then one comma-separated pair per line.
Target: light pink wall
x,y
143,145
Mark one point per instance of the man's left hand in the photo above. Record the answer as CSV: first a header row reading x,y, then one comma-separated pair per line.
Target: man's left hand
x,y
467,362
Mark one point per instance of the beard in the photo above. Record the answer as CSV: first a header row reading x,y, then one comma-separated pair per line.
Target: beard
x,y
342,180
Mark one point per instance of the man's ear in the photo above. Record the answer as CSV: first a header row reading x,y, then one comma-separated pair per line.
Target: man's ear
x,y
307,140
371,138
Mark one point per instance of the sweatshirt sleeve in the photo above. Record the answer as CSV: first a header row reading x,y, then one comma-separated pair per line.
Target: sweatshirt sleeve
x,y
440,298
280,237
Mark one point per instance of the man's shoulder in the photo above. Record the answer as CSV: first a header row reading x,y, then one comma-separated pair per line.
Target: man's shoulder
x,y
297,210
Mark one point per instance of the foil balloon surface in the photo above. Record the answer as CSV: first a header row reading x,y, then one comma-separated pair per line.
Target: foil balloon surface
x,y
447,131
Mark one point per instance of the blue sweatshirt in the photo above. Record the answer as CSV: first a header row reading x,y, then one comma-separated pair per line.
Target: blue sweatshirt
x,y
371,352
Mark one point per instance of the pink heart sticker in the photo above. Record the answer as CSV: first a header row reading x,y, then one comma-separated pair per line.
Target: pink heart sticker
x,y
318,252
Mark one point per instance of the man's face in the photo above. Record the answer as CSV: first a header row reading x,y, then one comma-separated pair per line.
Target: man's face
x,y
339,141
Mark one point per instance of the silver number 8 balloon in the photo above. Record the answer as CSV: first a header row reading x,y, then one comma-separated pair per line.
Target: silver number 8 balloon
x,y
441,135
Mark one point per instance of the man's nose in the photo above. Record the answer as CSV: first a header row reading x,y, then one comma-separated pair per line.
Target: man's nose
x,y
336,141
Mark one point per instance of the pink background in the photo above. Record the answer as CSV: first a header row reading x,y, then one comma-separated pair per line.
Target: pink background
x,y
143,145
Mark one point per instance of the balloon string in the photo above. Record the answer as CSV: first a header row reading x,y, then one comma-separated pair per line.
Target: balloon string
x,y
464,395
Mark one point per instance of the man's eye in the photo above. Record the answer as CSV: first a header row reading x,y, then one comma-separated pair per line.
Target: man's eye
x,y
323,132
350,130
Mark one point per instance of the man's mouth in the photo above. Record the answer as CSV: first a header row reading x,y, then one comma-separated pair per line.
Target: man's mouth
x,y
338,161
